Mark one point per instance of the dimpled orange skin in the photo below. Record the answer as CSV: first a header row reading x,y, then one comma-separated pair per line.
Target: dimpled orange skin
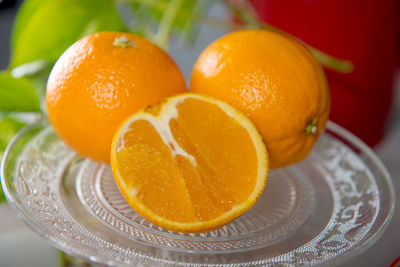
x,y
273,79
96,84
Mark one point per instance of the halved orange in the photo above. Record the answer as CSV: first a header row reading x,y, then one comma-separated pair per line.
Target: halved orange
x,y
190,163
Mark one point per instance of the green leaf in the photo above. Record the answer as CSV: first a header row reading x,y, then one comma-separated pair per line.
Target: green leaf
x,y
168,16
44,29
30,69
2,197
8,128
37,72
156,9
66,260
17,94
181,17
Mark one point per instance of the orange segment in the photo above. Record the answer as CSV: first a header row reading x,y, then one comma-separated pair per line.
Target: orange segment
x,y
190,164
145,160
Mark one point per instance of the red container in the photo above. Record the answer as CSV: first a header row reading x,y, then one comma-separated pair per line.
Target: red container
x,y
365,32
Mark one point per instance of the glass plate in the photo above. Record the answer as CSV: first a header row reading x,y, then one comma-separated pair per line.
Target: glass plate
x,y
323,210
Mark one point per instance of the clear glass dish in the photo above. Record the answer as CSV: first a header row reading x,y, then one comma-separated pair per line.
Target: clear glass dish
x,y
323,210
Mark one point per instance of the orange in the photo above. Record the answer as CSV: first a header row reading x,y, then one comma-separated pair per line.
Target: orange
x,y
273,79
102,79
190,164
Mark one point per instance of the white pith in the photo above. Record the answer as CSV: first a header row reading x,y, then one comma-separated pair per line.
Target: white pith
x,y
161,124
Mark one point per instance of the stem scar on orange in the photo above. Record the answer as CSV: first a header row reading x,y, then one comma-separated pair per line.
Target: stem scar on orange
x,y
273,79
102,79
189,164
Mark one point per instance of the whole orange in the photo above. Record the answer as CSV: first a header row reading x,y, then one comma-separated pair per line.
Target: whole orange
x,y
102,79
273,79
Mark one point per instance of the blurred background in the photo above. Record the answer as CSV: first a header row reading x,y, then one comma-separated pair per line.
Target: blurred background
x,y
357,43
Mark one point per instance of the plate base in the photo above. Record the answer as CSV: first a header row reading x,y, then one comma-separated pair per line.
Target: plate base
x,y
329,207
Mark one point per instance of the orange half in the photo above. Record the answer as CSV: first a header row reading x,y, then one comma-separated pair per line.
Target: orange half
x,y
189,164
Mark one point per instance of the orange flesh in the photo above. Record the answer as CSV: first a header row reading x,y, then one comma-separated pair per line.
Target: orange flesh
x,y
223,175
